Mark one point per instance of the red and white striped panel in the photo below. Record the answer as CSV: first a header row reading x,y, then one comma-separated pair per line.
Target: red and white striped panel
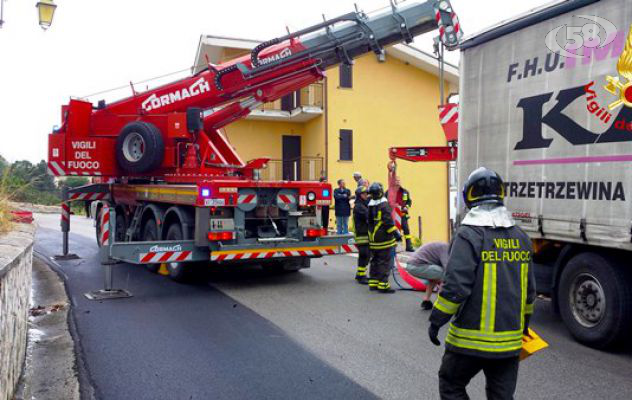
x,y
397,217
92,173
87,196
104,224
287,198
165,257
65,213
56,169
267,253
247,199
449,118
442,27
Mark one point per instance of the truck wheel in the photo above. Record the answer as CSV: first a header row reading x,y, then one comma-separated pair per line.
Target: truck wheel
x,y
178,271
595,300
139,147
150,234
121,227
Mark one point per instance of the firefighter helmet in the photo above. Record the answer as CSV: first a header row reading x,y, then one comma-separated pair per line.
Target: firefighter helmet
x,y
483,186
376,191
361,189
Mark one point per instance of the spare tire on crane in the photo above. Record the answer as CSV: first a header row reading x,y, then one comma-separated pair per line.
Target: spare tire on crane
x,y
139,147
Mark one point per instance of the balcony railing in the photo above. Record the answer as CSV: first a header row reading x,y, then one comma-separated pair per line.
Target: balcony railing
x,y
300,106
300,169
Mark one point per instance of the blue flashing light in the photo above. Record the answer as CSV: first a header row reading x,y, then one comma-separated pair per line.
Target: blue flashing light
x,y
325,192
205,192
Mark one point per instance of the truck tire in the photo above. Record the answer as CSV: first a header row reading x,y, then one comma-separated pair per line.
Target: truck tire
x,y
121,227
139,147
178,271
150,234
595,300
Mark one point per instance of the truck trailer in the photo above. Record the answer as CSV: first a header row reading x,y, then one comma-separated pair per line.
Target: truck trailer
x,y
546,101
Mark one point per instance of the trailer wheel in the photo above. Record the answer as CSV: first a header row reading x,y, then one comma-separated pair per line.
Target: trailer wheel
x,y
139,147
178,271
150,234
595,300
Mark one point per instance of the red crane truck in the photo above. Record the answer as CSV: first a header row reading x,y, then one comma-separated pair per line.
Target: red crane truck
x,y
177,191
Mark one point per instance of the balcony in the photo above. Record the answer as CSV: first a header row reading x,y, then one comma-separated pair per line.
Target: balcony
x,y
300,169
301,106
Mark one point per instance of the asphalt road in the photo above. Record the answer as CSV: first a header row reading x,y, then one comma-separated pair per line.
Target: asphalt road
x,y
314,334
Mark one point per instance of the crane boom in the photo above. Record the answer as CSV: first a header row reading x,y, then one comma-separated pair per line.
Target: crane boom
x,y
162,133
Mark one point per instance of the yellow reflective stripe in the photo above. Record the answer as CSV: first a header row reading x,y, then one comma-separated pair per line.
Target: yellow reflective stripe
x,y
523,292
408,236
382,245
490,347
486,336
391,229
488,306
528,309
446,306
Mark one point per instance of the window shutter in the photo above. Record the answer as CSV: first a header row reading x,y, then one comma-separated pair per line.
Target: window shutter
x,y
346,76
346,145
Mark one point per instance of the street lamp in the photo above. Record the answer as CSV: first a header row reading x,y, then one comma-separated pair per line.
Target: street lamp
x,y
1,13
46,9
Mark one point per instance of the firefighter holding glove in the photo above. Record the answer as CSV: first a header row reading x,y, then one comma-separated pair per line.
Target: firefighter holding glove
x,y
383,238
489,289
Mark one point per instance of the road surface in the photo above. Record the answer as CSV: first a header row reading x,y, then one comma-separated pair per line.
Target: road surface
x,y
315,334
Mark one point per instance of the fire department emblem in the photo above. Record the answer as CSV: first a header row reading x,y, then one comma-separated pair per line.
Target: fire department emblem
x,y
624,66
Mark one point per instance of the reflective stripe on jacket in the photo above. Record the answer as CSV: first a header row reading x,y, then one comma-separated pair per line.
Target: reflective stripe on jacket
x,y
489,289
361,222
381,225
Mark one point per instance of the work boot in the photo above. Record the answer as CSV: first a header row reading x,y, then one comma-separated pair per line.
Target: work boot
x,y
426,305
409,246
373,284
385,287
363,280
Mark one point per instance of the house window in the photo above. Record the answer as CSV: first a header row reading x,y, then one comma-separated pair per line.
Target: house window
x,y
346,145
346,76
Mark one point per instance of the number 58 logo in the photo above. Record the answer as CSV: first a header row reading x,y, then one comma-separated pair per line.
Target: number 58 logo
x,y
565,39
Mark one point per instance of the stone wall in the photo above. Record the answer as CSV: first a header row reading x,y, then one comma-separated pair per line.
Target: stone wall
x,y
16,259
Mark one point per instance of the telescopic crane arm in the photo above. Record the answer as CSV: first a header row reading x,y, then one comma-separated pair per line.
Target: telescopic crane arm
x,y
160,133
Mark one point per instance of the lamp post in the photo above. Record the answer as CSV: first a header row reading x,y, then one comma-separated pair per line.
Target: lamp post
x,y
1,13
46,10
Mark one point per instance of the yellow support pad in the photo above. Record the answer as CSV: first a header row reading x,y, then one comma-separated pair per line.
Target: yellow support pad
x,y
163,270
531,344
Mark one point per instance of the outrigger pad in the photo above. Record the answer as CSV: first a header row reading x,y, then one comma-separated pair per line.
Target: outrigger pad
x,y
108,294
67,257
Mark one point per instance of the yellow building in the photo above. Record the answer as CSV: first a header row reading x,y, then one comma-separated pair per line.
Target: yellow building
x,y
348,122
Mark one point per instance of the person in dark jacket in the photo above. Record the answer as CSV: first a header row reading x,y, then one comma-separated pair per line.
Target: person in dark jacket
x,y
489,289
361,228
383,238
342,196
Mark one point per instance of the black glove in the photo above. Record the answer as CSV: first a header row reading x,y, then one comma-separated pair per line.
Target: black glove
x,y
398,236
433,332
525,331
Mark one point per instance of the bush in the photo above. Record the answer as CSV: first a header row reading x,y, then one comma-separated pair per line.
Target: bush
x,y
5,214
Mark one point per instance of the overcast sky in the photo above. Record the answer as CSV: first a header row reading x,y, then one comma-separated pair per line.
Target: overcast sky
x,y
97,45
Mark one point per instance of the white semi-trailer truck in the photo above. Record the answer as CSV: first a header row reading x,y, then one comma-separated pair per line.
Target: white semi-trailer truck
x,y
546,101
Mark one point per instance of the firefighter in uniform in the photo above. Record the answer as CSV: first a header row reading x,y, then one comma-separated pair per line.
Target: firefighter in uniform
x,y
404,202
383,238
361,228
489,289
